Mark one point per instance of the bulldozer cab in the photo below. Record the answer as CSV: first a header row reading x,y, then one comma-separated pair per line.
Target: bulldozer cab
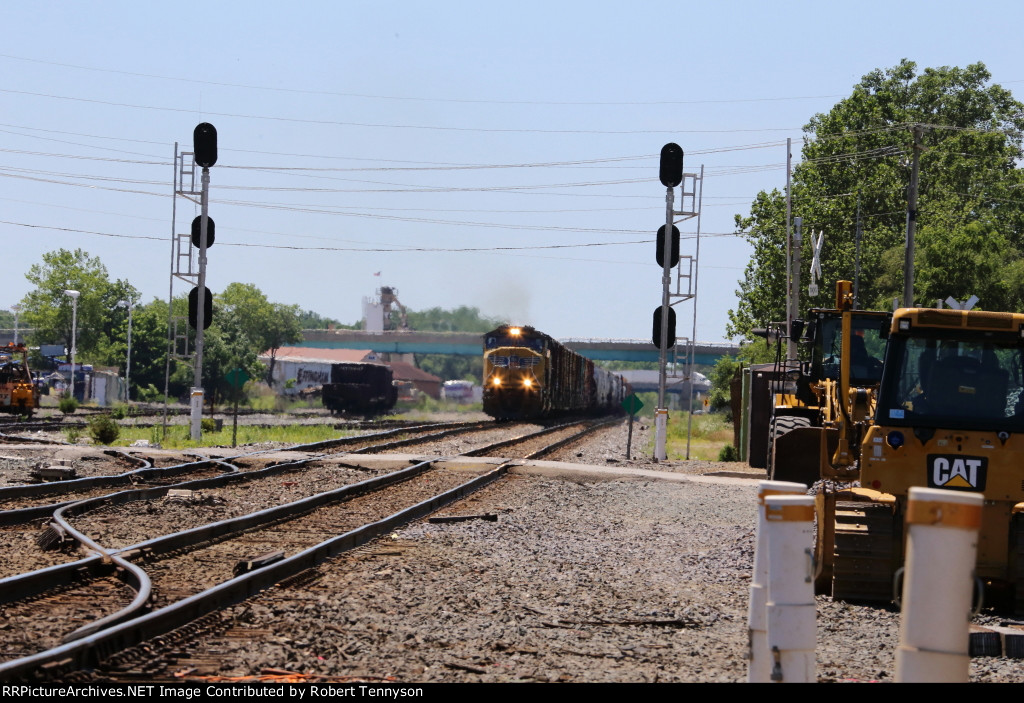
x,y
867,345
959,379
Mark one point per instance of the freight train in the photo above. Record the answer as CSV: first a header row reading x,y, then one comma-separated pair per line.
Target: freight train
x,y
527,374
362,389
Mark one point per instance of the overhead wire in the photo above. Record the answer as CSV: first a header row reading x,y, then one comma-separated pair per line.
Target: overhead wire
x,y
368,96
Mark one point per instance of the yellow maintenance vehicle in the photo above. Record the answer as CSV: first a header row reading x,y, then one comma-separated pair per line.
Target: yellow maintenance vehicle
x,y
817,416
949,414
18,393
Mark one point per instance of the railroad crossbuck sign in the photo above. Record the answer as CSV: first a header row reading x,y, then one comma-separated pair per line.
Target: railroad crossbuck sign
x,y
812,287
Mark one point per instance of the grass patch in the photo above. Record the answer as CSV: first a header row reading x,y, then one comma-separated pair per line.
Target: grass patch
x,y
179,436
710,433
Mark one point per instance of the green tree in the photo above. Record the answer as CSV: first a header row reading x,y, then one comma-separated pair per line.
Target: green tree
x,y
48,309
857,156
461,319
309,320
253,325
721,375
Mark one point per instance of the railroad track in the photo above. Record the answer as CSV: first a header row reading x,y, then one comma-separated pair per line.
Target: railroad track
x,y
26,506
29,502
227,561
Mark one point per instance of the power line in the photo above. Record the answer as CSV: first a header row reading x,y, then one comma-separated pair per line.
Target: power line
x,y
390,249
419,99
379,125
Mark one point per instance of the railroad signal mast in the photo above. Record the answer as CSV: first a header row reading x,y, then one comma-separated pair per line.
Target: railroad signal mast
x,y
201,237
668,257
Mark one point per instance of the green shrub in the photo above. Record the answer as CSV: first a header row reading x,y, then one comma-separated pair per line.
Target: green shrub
x,y
72,434
68,404
728,453
103,429
149,394
208,425
119,412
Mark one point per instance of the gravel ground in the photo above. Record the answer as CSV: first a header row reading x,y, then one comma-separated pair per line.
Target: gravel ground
x,y
581,579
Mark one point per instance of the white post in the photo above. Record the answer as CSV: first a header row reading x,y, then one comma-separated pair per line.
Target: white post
x,y
791,609
759,667
942,546
73,294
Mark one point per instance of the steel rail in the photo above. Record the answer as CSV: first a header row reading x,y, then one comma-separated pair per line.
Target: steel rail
x,y
89,651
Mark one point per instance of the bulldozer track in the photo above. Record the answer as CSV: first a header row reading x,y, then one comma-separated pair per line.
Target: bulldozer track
x,y
864,564
1017,562
782,425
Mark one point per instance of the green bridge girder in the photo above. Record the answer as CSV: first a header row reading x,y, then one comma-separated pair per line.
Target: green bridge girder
x,y
472,345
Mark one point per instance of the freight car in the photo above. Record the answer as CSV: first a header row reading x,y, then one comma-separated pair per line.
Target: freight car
x,y
527,374
362,389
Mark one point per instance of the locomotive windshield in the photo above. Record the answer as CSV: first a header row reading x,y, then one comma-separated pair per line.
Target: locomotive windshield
x,y
494,341
937,381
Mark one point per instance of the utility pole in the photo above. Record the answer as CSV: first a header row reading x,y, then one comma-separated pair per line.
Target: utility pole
x,y
790,308
908,261
856,261
798,241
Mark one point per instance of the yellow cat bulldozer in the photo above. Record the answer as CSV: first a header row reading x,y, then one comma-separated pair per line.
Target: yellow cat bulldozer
x,y
819,407
949,414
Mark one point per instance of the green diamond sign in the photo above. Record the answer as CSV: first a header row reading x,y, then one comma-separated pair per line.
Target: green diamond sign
x,y
237,377
631,404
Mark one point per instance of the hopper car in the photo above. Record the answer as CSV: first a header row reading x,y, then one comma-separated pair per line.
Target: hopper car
x,y
361,389
527,374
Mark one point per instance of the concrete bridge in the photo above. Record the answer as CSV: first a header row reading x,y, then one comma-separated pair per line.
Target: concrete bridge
x,y
471,344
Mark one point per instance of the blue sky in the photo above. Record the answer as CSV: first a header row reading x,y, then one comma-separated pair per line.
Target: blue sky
x,y
443,144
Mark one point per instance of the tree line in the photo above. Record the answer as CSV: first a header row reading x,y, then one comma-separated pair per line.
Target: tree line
x,y
855,172
245,324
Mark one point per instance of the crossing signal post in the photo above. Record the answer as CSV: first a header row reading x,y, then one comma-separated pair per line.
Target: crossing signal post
x,y
671,175
204,144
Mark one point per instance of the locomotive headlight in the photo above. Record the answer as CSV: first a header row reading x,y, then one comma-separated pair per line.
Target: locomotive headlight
x,y
527,383
496,382
515,331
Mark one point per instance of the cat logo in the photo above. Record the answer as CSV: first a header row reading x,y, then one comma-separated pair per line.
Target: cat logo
x,y
966,473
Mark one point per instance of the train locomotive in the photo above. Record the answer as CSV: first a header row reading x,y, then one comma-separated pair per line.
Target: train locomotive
x,y
18,392
527,374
